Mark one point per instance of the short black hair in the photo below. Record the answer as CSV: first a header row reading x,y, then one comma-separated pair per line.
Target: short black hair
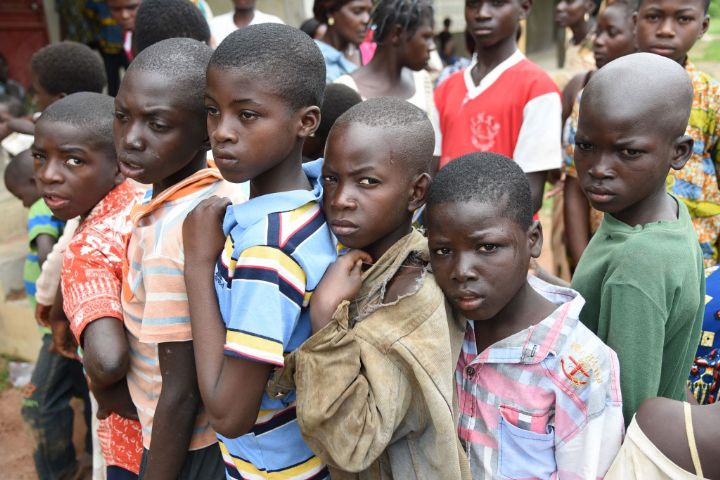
x,y
411,130
14,104
19,169
408,14
92,112
68,67
485,177
280,56
323,8
162,19
338,99
706,5
183,61
310,26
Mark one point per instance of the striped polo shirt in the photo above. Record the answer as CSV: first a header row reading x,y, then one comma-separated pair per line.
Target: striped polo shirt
x,y
544,402
277,249
154,299
41,221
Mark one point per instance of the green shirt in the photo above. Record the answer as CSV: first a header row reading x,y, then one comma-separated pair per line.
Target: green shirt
x,y
644,289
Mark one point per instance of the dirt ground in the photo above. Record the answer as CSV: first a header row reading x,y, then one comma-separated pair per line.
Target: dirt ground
x,y
16,446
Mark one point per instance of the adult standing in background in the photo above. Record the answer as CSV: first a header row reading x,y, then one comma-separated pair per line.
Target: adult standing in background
x,y
347,24
578,17
244,14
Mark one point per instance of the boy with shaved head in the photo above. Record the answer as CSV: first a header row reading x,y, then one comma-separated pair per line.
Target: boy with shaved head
x,y
642,272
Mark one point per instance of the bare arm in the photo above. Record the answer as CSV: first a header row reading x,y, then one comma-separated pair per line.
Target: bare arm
x,y
44,244
577,219
174,417
537,188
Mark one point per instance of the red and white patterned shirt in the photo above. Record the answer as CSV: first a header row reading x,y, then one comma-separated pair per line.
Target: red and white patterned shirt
x,y
91,282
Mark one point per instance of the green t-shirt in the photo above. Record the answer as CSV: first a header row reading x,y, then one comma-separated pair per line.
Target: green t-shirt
x,y
644,289
40,222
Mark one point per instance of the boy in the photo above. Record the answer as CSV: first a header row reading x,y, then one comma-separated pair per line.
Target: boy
x,y
124,13
642,272
162,19
337,100
670,28
502,103
77,173
374,382
55,379
161,140
538,392
249,305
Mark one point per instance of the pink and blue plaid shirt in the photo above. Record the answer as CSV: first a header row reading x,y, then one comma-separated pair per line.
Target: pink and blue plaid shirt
x,y
544,402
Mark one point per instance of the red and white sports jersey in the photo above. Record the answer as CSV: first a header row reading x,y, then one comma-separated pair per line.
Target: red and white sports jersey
x,y
515,111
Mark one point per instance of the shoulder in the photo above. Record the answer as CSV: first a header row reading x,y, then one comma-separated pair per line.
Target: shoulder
x,y
346,80
533,78
262,17
221,20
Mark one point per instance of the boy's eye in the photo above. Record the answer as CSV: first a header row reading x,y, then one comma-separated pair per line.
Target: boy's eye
x,y
584,146
631,153
442,251
212,111
685,19
368,181
651,17
487,247
158,126
120,116
328,179
248,115
73,162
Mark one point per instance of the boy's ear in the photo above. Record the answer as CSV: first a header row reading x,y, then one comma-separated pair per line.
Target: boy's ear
x,y
525,7
309,121
682,150
535,239
420,187
705,26
396,36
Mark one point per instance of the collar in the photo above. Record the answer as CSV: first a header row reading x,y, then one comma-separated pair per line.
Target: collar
x,y
250,212
334,56
183,188
492,76
117,200
690,67
536,343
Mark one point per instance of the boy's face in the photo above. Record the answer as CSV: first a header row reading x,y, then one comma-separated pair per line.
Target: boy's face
x,y
492,21
623,156
124,12
252,129
157,135
73,174
43,98
614,36
572,12
670,27
417,48
368,198
479,256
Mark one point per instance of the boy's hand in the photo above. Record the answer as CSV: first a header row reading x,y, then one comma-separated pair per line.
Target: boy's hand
x,y
203,236
342,281
63,341
42,315
114,399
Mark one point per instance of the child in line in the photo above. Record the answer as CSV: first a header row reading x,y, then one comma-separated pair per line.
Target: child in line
x,y
539,393
158,20
374,382
249,306
337,100
642,272
77,173
670,28
161,140
55,380
503,102
613,39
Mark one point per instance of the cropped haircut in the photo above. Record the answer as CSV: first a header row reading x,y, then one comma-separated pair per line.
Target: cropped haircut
x,y
408,14
706,5
92,112
488,178
322,9
162,19
68,67
338,99
279,56
19,169
410,131
183,62
14,104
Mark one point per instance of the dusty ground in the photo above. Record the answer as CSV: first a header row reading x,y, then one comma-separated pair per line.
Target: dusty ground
x,y
15,443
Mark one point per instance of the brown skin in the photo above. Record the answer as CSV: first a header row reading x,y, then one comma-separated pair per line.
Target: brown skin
x,y
577,219
369,203
480,259
254,136
124,12
571,14
663,421
160,141
63,341
244,12
493,25
350,23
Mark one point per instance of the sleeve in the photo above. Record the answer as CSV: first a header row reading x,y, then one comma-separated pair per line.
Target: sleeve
x,y
166,314
42,222
590,450
91,282
538,146
266,297
569,139
636,332
49,280
350,397
439,100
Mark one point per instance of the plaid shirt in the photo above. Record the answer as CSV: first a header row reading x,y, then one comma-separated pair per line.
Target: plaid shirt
x,y
544,402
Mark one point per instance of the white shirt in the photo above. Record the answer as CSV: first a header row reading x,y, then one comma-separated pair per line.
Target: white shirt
x,y
223,25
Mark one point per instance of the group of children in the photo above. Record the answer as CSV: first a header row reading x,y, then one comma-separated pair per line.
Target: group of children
x,y
312,330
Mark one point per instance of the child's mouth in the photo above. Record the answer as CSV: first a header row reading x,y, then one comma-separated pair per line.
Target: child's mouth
x,y
54,202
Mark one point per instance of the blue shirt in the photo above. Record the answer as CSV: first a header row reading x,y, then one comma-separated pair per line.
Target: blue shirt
x,y
336,65
277,249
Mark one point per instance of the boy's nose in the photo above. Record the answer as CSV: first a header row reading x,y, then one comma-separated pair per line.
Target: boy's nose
x,y
601,168
48,173
223,133
339,199
666,28
463,271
